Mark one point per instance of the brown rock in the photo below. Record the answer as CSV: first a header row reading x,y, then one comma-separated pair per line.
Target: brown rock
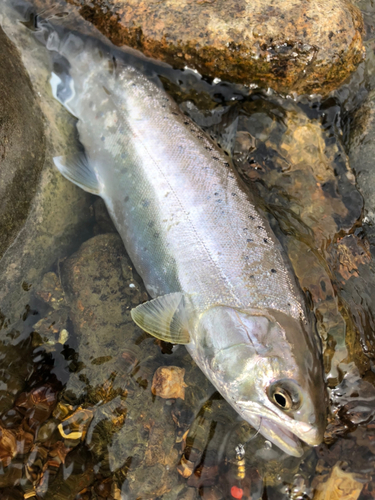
x,y
168,382
302,46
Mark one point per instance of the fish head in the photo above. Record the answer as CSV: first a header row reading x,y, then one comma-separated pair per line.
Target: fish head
x,y
267,365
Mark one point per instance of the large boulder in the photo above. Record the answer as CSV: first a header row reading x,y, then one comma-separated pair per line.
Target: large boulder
x,y
22,142
302,46
42,215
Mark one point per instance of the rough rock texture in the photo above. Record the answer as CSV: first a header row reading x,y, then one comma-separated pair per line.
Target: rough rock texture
x,y
49,214
362,154
100,289
22,142
300,45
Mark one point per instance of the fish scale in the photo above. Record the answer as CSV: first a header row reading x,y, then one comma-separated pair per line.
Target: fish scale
x,y
213,230
220,280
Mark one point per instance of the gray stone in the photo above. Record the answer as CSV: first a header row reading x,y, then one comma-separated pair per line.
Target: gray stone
x,y
362,160
43,214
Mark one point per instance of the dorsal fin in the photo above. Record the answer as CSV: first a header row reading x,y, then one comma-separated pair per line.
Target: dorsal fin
x,y
165,318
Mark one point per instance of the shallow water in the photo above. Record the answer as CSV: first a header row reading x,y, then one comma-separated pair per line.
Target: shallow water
x,y
78,417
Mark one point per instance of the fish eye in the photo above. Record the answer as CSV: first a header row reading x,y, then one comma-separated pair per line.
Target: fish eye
x,y
284,395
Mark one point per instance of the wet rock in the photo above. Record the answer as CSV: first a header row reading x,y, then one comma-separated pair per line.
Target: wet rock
x,y
300,46
101,288
362,151
131,431
168,382
15,368
51,214
22,142
37,405
74,475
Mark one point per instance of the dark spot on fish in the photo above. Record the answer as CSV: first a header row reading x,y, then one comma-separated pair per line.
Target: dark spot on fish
x,y
273,271
252,276
156,235
208,148
244,229
289,304
246,257
234,194
323,285
265,240
126,199
219,201
174,113
106,91
199,137
219,145
249,240
151,223
145,203
251,217
216,194
134,84
227,165
226,153
260,227
186,122
215,158
163,106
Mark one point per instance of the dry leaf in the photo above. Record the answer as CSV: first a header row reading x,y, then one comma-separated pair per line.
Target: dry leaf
x,y
340,485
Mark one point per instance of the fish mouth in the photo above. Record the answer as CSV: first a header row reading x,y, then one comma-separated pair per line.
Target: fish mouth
x,y
281,437
287,440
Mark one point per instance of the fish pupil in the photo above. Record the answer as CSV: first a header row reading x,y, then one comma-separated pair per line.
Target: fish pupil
x,y
280,400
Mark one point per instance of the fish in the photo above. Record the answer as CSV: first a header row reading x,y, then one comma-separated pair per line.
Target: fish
x,y
219,280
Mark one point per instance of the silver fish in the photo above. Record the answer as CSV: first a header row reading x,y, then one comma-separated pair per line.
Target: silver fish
x,y
219,279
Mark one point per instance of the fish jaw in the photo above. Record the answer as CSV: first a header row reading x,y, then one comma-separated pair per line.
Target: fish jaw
x,y
281,437
284,438
289,436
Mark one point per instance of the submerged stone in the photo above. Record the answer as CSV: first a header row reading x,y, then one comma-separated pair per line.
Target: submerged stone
x,y
22,142
299,46
362,153
41,214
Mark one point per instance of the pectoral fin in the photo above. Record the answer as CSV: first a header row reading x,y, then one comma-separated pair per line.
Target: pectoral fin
x,y
165,318
77,169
